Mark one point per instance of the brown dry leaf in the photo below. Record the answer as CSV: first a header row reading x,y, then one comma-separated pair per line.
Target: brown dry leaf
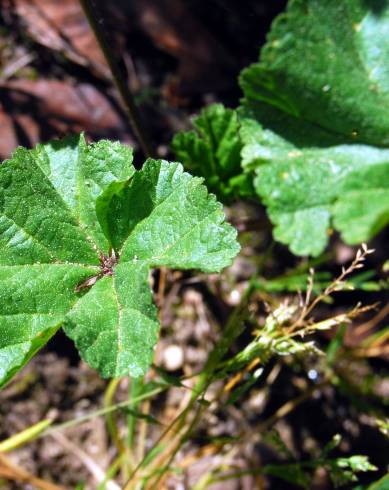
x,y
174,29
12,127
62,26
32,111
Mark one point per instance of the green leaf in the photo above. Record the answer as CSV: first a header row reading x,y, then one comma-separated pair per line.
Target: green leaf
x,y
115,325
81,172
343,470
292,473
161,217
166,217
36,225
16,355
63,206
381,484
315,123
213,151
34,299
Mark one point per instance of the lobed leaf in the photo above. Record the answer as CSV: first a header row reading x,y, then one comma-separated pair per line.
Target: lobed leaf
x,y
315,123
115,325
212,151
79,231
81,172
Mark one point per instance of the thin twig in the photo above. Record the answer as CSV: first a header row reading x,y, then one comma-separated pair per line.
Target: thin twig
x,y
336,285
91,11
369,325
284,410
99,413
96,471
10,70
142,436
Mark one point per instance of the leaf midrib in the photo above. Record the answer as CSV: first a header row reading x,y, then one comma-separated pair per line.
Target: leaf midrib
x,y
168,197
364,68
182,237
51,264
74,215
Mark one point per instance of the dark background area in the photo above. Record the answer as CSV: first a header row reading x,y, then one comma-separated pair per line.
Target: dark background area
x,y
178,55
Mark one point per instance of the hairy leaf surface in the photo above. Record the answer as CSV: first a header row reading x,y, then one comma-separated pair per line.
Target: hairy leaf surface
x,y
315,124
212,151
79,231
81,172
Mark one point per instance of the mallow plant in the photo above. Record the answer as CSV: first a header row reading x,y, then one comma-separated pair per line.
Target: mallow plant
x,y
80,231
312,130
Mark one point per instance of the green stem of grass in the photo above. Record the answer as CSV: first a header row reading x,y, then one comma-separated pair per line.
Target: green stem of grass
x,y
234,328
100,412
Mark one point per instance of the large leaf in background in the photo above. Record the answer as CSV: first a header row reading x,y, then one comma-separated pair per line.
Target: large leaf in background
x,y
213,151
63,206
315,122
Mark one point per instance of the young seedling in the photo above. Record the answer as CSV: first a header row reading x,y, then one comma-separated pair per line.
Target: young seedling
x,y
80,230
313,135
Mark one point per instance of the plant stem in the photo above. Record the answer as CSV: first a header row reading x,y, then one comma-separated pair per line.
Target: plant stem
x,y
100,412
91,11
233,329
109,418
134,389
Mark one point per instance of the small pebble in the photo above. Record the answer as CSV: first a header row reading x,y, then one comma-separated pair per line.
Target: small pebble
x,y
173,357
235,297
